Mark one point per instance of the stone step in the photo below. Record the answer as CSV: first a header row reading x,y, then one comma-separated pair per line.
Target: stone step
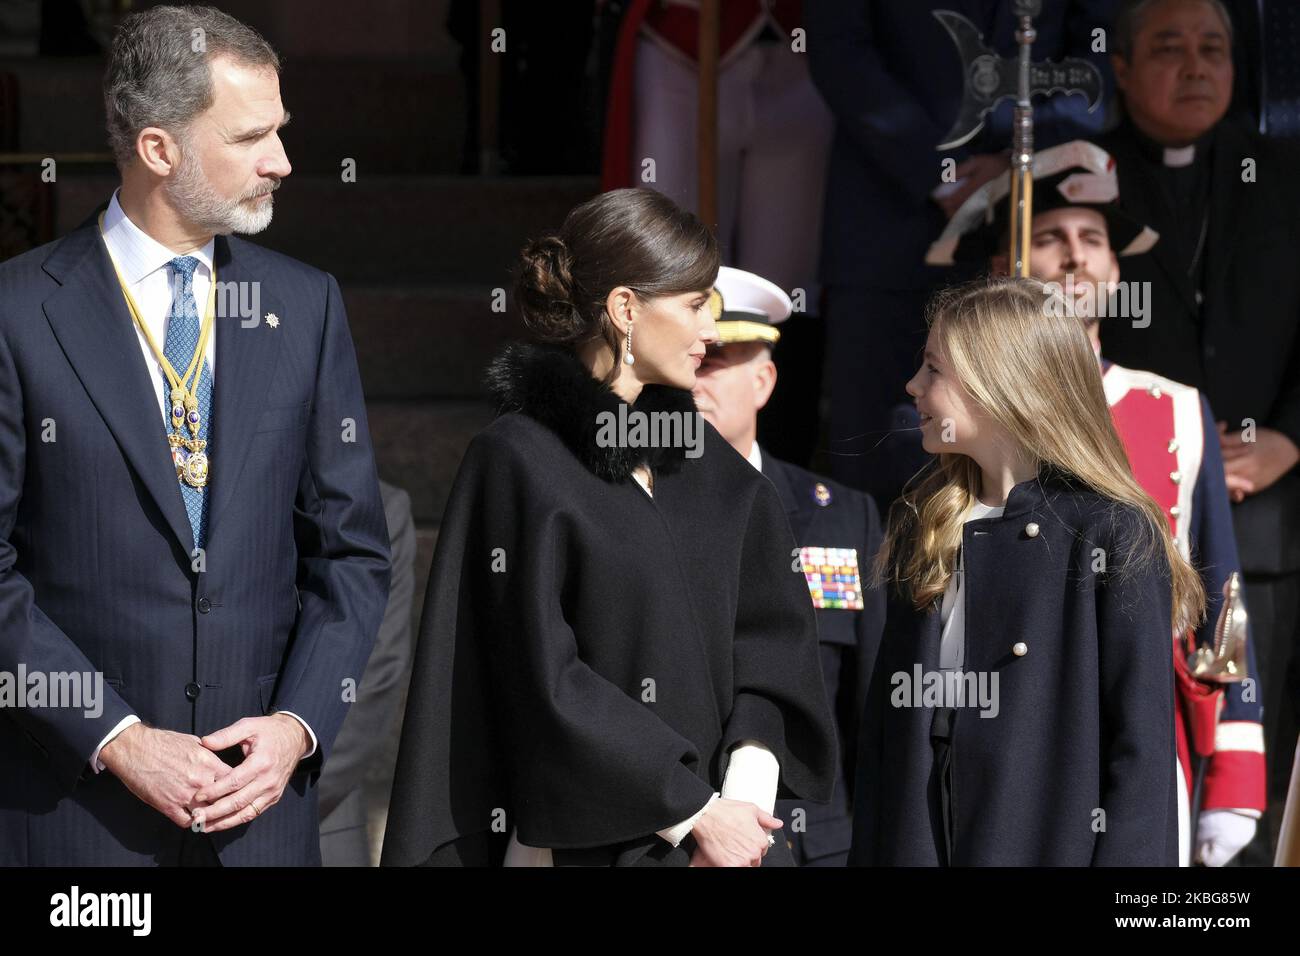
x,y
391,116
426,342
398,230
60,103
419,445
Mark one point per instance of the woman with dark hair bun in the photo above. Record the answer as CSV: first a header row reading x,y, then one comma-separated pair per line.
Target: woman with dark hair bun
x,y
617,663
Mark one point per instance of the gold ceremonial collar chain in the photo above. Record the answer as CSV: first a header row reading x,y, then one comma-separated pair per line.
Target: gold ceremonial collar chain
x,y
188,454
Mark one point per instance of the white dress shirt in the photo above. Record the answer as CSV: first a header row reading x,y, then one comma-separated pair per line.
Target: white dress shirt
x,y
143,260
952,614
143,264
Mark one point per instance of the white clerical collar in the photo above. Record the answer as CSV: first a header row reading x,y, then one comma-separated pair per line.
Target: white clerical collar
x,y
1178,158
136,252
755,457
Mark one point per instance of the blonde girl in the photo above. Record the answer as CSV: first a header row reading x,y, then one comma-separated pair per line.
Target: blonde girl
x,y
1021,709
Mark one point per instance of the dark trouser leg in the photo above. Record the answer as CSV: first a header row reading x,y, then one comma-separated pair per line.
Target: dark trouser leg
x,y
1273,602
194,849
941,784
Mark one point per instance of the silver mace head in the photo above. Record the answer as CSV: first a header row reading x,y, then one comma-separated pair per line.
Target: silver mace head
x,y
1225,661
988,78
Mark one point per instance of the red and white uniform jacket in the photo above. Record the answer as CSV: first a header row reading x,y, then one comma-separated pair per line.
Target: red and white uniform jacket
x,y
1169,433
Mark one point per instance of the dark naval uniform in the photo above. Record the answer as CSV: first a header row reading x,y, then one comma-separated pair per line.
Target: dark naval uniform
x,y
837,532
836,527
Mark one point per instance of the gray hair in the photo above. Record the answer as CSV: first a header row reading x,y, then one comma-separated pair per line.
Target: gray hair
x,y
159,70
1128,21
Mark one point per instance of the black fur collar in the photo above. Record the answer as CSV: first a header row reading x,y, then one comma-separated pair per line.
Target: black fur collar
x,y
550,384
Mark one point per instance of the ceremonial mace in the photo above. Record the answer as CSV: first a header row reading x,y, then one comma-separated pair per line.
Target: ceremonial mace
x,y
1222,662
988,80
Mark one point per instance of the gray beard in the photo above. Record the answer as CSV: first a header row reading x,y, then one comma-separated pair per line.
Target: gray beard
x,y
193,197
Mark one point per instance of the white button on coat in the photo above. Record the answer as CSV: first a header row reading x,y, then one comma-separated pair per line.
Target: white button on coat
x,y
1020,649
1031,529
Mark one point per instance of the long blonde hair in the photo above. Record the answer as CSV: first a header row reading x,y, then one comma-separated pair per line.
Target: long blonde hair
x,y
1026,361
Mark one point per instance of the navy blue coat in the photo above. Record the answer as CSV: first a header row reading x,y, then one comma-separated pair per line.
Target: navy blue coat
x,y
1084,718
891,75
848,643
95,545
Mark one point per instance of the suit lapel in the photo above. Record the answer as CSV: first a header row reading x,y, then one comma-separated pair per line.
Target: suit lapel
x,y
798,511
246,361
90,319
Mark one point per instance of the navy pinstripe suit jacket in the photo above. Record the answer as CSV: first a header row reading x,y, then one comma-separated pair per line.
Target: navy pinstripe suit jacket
x,y
96,566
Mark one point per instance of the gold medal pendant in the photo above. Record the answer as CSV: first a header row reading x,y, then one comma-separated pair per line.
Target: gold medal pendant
x,y
196,470
191,461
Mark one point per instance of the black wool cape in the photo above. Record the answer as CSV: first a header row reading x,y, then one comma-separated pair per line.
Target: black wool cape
x,y
588,655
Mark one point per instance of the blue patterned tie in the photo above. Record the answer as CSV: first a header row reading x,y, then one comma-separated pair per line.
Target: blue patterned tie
x,y
182,340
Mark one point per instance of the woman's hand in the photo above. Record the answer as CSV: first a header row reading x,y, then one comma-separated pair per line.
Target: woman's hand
x,y
732,833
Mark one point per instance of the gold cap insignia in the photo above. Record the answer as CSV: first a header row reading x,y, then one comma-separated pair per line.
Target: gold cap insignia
x,y
715,304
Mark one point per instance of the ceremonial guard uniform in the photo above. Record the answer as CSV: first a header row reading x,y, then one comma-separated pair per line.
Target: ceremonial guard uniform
x,y
1225,318
837,530
1169,434
774,130
674,26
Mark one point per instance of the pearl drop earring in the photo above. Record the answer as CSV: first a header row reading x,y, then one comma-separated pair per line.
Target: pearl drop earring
x,y
628,358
